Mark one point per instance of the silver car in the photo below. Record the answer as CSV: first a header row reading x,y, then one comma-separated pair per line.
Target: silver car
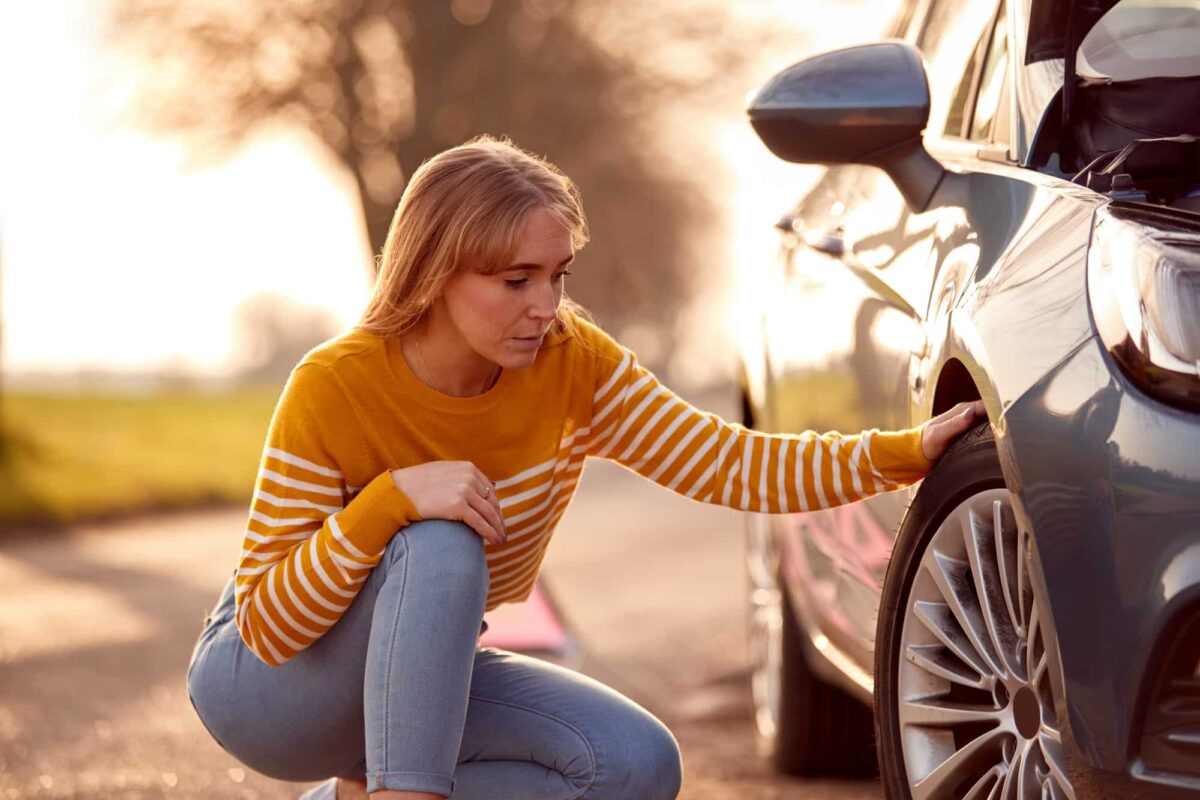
x,y
1025,622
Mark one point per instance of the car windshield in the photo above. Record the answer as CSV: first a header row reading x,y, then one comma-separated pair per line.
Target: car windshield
x,y
1140,39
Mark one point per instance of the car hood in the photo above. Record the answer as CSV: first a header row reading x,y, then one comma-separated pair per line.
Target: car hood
x,y
1048,26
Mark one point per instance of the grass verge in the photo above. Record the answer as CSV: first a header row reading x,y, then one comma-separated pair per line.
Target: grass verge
x,y
70,458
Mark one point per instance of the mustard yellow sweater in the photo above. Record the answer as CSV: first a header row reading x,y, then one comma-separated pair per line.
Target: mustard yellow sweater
x,y
325,506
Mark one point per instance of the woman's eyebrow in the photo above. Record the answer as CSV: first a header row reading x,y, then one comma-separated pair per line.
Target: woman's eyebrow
x,y
527,265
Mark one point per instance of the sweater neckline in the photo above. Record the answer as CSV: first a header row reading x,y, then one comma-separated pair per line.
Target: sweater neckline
x,y
428,396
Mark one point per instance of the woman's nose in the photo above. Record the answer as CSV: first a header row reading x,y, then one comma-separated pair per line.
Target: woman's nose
x,y
546,304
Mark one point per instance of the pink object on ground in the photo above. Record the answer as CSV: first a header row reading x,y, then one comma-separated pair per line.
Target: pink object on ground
x,y
535,626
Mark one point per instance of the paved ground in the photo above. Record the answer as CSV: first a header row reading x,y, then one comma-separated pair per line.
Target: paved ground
x,y
96,627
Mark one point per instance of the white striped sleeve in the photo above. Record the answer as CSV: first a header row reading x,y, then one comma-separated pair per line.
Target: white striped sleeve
x,y
641,424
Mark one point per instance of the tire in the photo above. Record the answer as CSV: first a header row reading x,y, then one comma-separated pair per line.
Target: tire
x,y
805,726
963,701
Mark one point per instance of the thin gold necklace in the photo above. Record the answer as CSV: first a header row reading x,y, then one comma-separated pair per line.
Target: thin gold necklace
x,y
425,367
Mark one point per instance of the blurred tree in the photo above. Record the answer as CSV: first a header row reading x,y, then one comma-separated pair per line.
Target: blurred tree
x,y
384,85
273,333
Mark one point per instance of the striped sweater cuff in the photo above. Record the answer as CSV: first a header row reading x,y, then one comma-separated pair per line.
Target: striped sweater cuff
x,y
898,455
372,519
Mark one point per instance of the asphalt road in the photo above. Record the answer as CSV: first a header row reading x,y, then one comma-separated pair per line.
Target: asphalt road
x,y
97,624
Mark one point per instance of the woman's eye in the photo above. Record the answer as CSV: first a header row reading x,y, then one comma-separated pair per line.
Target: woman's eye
x,y
517,283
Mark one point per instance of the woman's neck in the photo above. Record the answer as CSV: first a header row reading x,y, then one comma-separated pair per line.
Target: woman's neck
x,y
446,363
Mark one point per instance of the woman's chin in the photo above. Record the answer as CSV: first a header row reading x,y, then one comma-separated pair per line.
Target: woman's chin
x,y
519,353
519,360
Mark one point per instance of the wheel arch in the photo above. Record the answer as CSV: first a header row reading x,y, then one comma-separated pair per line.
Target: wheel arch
x,y
954,385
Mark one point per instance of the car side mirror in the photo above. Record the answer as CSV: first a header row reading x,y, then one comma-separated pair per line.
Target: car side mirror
x,y
866,104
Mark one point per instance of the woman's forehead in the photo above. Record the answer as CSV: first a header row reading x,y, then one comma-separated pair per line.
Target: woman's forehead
x,y
543,240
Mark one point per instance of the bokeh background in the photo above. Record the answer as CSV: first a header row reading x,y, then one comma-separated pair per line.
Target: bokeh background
x,y
191,194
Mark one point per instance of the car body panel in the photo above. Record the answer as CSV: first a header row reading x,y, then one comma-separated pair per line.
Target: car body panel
x,y
1012,248
991,279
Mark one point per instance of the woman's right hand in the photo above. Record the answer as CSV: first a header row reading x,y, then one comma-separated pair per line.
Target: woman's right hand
x,y
454,490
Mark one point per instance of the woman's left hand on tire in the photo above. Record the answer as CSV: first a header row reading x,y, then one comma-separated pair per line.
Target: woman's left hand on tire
x,y
941,431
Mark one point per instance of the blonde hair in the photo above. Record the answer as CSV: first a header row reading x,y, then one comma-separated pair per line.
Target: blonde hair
x,y
466,208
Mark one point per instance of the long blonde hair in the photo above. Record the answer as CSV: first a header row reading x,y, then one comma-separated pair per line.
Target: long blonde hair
x,y
466,206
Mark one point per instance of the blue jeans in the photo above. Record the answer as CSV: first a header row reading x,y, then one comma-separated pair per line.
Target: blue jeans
x,y
399,693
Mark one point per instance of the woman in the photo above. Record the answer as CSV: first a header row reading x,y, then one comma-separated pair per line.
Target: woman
x,y
413,472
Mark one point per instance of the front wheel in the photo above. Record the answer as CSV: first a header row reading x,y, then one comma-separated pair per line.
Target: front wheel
x,y
964,702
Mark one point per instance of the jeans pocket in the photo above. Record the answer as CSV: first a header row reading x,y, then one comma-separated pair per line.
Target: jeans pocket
x,y
213,623
217,616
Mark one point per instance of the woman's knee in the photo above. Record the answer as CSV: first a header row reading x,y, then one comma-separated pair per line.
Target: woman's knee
x,y
649,767
450,548
661,764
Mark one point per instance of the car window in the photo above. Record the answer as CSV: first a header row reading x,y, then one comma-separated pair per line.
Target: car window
x,y
992,80
949,39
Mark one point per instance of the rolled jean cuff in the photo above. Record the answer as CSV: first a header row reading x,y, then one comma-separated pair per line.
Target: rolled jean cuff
x,y
411,782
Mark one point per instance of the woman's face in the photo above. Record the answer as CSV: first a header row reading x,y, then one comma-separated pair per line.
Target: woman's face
x,y
504,317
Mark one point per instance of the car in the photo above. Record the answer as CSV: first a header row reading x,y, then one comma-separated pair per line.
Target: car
x,y
1024,622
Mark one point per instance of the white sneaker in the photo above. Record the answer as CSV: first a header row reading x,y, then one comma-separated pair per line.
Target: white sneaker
x,y
324,791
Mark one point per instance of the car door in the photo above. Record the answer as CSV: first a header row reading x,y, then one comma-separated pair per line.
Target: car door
x,y
846,334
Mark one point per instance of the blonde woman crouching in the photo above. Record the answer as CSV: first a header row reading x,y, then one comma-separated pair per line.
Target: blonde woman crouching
x,y
413,473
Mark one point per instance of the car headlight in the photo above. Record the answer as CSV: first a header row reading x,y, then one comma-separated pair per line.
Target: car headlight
x,y
1144,288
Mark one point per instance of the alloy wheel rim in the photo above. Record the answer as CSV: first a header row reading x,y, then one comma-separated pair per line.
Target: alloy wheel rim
x,y
976,706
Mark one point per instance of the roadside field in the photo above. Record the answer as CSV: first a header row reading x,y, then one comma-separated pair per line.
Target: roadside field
x,y
66,458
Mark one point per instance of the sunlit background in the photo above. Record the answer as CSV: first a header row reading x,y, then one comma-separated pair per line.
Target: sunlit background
x,y
191,193
119,256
